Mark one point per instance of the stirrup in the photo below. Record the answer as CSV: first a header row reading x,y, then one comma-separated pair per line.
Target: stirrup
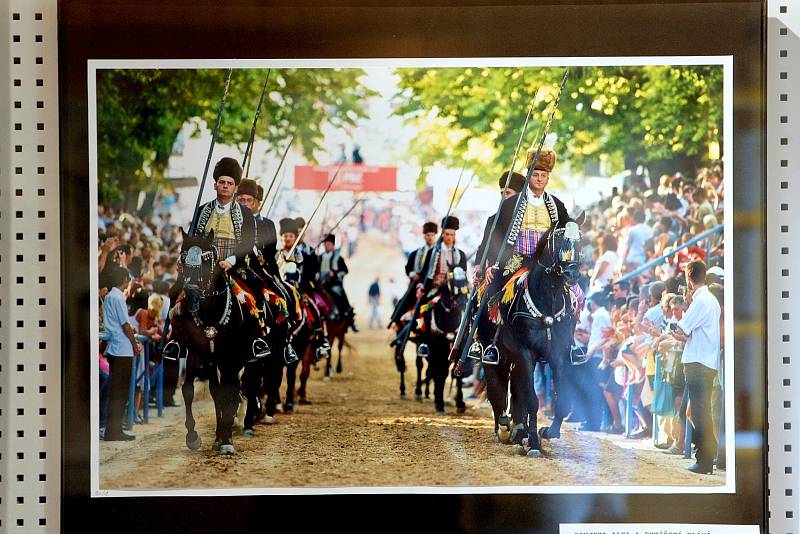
x,y
172,351
475,351
260,349
491,356
289,355
423,351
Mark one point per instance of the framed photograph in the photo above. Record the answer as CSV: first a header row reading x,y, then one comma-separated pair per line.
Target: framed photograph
x,y
558,348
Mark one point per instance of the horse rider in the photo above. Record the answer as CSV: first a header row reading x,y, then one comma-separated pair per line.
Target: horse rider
x,y
539,211
448,258
332,270
234,231
251,195
416,267
260,272
299,270
233,225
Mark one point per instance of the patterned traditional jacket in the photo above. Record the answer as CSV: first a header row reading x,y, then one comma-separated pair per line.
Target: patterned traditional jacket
x,y
244,227
418,261
558,216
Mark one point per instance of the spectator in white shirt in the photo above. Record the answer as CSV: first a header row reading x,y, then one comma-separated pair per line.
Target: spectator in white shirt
x,y
699,329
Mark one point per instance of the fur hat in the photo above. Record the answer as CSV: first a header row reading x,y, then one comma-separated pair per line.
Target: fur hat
x,y
248,187
330,238
430,227
260,196
288,226
546,161
450,223
515,182
300,222
228,167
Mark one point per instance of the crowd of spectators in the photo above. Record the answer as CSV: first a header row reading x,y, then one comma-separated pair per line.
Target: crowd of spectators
x,y
137,261
652,334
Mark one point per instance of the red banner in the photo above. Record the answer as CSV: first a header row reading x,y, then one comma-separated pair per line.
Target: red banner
x,y
351,177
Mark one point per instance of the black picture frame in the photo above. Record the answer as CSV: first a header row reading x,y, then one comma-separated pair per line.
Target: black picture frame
x,y
205,30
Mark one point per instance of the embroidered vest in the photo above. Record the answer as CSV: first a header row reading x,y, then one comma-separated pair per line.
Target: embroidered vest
x,y
536,218
222,224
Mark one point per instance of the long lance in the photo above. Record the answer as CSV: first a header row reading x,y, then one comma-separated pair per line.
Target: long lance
x,y
508,239
341,219
434,258
248,152
308,222
464,192
275,178
466,315
214,134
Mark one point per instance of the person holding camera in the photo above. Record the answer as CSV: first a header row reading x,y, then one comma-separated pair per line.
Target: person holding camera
x,y
699,330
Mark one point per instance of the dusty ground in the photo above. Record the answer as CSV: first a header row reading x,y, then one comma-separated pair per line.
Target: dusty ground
x,y
358,432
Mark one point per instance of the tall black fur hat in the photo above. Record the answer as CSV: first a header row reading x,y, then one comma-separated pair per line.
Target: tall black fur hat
x,y
330,238
228,167
516,182
288,226
248,187
300,222
450,223
430,227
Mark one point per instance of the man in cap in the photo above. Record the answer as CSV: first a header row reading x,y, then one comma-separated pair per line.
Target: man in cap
x,y
416,268
510,183
290,262
539,211
449,256
292,265
332,269
251,195
233,224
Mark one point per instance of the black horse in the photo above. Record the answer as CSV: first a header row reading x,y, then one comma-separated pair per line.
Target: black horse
x,y
261,377
539,325
441,316
215,332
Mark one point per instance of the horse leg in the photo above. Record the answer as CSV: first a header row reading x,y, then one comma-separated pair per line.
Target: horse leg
x,y
439,378
400,364
251,383
428,378
193,440
339,360
560,404
305,372
532,404
291,374
461,406
418,388
328,359
229,396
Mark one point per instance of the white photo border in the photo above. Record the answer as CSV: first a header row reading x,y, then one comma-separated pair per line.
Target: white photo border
x,y
725,61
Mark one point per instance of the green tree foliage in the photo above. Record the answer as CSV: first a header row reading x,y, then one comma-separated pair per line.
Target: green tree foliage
x,y
613,113
141,111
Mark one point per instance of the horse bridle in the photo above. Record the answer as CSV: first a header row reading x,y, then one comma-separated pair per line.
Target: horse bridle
x,y
558,269
193,263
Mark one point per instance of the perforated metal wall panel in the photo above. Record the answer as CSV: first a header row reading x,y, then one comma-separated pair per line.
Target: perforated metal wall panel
x,y
30,326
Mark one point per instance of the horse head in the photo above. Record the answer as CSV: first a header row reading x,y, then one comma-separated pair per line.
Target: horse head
x,y
559,253
200,269
453,301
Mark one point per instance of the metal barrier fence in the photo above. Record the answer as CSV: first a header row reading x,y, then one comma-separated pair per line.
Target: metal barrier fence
x,y
663,258
148,377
